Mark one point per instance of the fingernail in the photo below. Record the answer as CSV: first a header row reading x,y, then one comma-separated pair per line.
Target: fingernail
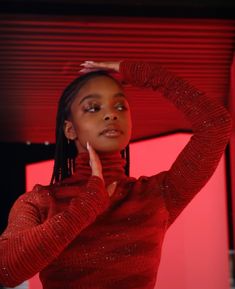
x,y
87,145
88,61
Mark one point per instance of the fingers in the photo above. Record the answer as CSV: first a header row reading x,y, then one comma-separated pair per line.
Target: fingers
x,y
89,63
92,66
111,188
96,168
95,163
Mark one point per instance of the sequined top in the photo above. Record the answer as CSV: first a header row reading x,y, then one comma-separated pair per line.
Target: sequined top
x,y
78,237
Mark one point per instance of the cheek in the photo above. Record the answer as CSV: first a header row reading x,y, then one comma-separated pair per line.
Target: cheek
x,y
85,127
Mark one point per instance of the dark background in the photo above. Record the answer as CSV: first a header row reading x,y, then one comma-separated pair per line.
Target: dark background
x,y
161,8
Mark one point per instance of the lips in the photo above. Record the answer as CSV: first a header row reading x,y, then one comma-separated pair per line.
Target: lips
x,y
111,128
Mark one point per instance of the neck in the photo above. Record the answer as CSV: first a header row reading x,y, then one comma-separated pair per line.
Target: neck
x,y
112,166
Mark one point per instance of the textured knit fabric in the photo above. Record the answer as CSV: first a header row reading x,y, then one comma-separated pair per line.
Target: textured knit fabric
x,y
78,237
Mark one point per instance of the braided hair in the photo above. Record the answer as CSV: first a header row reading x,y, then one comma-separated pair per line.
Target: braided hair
x,y
65,150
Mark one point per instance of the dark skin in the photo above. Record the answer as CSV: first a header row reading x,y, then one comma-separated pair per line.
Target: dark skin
x,y
106,106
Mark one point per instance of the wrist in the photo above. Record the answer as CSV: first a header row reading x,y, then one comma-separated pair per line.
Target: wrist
x,y
117,66
98,175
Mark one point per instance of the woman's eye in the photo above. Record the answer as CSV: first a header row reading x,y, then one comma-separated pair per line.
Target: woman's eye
x,y
92,108
122,106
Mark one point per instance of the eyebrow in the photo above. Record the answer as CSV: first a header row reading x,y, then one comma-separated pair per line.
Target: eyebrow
x,y
95,95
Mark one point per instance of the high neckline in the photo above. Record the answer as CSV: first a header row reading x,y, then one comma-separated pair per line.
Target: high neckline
x,y
112,166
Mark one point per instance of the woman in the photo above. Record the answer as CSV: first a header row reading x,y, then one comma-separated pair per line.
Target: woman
x,y
94,226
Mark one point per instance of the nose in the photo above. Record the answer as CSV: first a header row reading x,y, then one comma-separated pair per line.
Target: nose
x,y
110,115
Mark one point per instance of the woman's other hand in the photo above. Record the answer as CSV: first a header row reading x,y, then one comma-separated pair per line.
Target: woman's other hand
x,y
93,66
96,168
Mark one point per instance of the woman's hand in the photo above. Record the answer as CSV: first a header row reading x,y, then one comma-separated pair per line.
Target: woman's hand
x,y
93,66
96,168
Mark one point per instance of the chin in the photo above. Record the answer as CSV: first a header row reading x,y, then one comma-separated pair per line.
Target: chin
x,y
110,148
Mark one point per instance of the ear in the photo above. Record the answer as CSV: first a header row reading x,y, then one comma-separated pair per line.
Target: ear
x,y
69,130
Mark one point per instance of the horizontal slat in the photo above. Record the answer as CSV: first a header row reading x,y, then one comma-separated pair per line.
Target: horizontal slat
x,y
39,56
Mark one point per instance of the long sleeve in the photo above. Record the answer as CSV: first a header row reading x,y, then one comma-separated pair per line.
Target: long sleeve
x,y
27,245
211,125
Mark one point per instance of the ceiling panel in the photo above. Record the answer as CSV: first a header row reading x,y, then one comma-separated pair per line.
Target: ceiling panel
x,y
40,55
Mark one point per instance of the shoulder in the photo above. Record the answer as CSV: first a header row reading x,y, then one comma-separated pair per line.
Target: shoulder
x,y
27,203
32,197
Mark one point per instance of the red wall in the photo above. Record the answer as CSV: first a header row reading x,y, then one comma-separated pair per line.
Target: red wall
x,y
195,251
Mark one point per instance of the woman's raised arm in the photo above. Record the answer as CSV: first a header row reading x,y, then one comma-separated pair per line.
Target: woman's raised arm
x,y
211,124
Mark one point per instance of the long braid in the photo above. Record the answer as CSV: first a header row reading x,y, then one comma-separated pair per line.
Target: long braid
x,y
126,155
64,151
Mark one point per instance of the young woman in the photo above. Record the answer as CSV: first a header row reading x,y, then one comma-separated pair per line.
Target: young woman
x,y
94,226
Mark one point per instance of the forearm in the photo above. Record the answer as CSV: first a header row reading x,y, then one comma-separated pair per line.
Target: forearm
x,y
200,110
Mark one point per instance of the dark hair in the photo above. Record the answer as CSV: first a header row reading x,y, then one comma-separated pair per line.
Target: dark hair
x,y
66,151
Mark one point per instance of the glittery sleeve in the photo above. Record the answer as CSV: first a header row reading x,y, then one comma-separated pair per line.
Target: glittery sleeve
x,y
211,125
27,245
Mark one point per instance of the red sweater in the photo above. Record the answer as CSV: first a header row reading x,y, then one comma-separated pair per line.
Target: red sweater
x,y
79,238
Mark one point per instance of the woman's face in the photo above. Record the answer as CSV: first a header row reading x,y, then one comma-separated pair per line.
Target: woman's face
x,y
100,104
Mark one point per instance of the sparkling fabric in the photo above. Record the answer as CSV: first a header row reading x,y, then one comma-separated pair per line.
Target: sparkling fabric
x,y
78,237
112,167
